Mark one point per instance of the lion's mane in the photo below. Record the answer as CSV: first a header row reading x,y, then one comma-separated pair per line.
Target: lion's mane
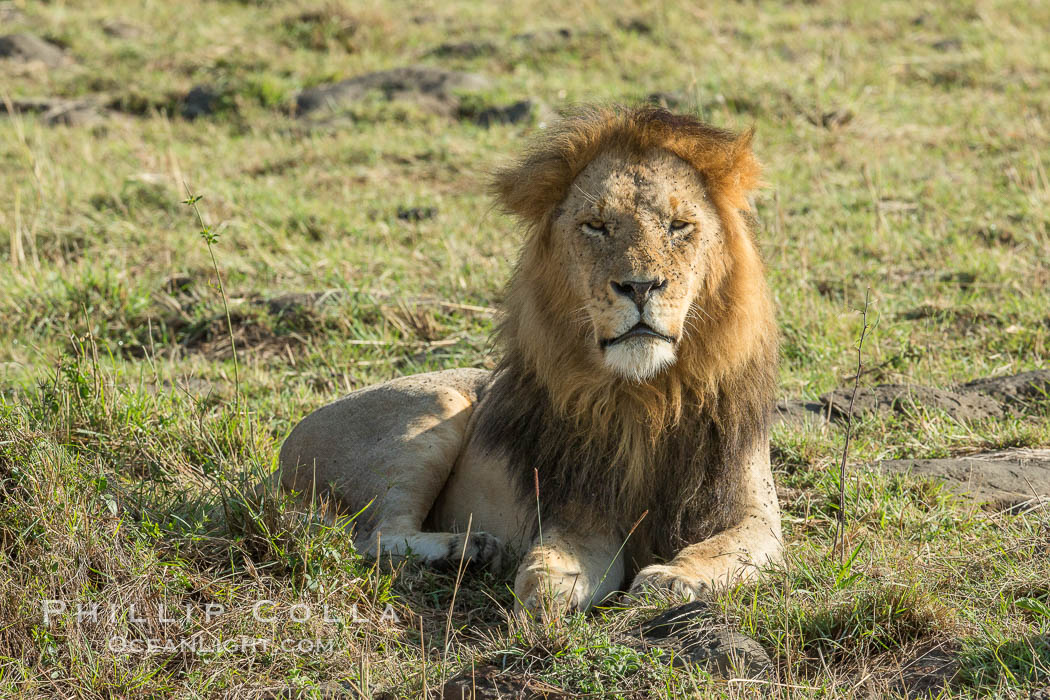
x,y
604,449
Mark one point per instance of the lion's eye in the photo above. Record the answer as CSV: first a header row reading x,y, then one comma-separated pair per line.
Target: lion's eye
x,y
680,225
596,227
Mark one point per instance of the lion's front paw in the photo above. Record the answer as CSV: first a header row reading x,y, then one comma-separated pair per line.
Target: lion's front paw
x,y
669,580
549,593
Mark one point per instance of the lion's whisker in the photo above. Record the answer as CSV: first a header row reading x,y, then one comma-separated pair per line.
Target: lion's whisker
x,y
589,197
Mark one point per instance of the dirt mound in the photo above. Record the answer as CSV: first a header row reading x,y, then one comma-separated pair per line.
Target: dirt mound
x,y
432,89
1009,479
995,397
889,399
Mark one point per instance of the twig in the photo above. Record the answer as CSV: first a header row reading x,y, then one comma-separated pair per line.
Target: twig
x,y
840,526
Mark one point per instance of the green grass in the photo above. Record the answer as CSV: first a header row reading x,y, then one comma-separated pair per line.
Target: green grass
x,y
122,434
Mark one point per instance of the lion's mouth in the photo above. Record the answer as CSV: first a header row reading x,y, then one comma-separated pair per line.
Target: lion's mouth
x,y
639,330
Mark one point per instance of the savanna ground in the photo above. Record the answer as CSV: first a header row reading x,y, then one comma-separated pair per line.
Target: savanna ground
x,y
906,148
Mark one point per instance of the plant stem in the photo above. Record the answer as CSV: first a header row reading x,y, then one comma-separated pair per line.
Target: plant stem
x,y
209,238
840,525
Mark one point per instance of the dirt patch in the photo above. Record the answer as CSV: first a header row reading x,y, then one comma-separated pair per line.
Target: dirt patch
x,y
431,89
516,113
1006,480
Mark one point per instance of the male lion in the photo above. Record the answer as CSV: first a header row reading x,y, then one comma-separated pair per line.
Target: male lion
x,y
635,387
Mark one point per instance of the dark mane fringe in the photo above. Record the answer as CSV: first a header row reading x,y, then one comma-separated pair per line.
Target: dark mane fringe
x,y
693,476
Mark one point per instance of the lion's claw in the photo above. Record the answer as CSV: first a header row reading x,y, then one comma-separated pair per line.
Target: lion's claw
x,y
662,578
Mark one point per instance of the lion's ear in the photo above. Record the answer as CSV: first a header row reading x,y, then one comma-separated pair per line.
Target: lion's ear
x,y
740,175
530,188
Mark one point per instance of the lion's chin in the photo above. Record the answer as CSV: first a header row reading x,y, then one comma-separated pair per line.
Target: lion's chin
x,y
639,359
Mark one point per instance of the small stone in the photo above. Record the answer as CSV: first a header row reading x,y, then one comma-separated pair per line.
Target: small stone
x,y
200,101
416,213
520,111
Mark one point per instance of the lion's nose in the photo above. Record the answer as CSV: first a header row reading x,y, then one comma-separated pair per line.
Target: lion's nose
x,y
638,291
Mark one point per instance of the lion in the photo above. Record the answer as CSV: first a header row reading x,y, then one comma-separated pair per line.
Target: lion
x,y
624,434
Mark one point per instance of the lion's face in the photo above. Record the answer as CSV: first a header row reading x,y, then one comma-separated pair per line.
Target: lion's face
x,y
634,234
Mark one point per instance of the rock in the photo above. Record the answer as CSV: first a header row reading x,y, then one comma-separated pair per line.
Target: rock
x,y
464,49
29,48
1009,479
887,399
416,213
491,683
725,653
1016,392
200,101
689,631
520,111
676,620
433,89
